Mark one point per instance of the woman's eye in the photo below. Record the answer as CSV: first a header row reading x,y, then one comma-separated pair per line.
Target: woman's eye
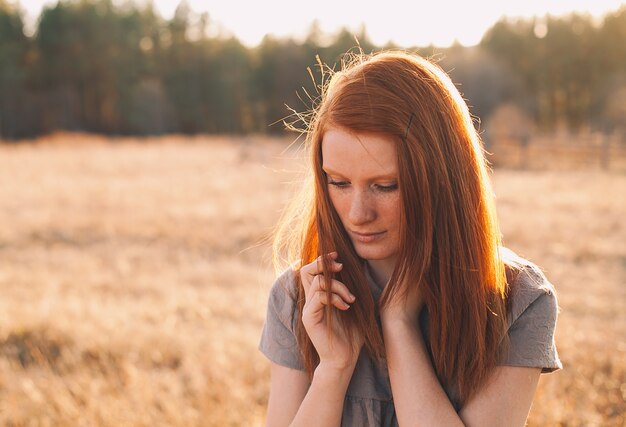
x,y
338,184
386,187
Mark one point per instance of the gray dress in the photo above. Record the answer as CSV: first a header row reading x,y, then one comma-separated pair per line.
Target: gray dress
x,y
368,401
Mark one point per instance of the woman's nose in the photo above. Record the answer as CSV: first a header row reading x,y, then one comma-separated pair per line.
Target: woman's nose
x,y
362,209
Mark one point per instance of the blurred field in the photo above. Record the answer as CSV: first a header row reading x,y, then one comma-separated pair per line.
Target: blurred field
x,y
134,286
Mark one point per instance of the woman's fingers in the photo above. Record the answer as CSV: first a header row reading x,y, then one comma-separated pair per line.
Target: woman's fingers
x,y
315,267
334,300
339,297
313,312
336,287
309,271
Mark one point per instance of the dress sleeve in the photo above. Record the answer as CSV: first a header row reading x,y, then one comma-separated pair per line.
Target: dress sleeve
x,y
278,340
532,322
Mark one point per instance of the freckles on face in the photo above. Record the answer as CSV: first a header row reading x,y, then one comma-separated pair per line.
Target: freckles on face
x,y
362,178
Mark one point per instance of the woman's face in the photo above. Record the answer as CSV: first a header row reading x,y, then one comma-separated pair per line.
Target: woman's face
x,y
362,176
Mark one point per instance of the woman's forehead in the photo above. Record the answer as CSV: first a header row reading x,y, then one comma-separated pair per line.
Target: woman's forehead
x,y
345,152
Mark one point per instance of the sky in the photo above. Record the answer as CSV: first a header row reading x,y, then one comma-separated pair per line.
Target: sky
x,y
406,23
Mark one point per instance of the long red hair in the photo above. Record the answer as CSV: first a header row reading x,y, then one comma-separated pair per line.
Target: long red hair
x,y
450,239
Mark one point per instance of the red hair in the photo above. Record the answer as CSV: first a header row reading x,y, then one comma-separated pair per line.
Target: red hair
x,y
450,239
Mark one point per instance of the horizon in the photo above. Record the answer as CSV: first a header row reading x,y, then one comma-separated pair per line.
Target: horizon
x,y
466,26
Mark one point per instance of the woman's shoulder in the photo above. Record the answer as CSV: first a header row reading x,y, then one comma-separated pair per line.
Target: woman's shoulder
x,y
283,294
528,287
278,339
532,315
285,281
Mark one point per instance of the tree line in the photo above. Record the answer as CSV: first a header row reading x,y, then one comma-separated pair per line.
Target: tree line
x,y
92,65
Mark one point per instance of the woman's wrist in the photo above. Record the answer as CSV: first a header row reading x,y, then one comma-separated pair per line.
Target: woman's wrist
x,y
335,369
399,318
330,371
333,380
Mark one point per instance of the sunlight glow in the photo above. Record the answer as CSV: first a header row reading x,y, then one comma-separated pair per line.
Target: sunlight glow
x,y
407,24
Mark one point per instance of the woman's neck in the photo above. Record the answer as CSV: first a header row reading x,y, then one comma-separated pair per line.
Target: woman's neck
x,y
381,270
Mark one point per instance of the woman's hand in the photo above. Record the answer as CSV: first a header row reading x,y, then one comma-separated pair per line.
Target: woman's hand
x,y
404,308
335,349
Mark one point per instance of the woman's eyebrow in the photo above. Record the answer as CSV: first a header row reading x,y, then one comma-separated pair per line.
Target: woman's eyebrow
x,y
330,171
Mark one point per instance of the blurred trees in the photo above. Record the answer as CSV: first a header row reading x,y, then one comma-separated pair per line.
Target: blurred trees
x,y
569,67
87,65
14,63
118,68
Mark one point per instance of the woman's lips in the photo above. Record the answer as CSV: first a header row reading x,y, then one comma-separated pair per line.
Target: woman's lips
x,y
366,237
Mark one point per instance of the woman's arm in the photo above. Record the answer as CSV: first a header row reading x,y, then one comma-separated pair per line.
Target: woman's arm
x,y
293,402
505,400
420,400
287,390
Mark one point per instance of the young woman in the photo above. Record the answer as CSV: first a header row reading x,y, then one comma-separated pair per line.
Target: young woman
x,y
401,307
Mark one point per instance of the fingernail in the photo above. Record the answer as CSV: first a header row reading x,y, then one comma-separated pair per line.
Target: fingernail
x,y
352,298
347,305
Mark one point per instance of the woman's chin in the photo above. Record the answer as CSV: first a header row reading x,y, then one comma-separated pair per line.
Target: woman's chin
x,y
373,254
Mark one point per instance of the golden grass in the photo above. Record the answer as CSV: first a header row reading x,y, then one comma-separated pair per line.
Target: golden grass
x,y
134,290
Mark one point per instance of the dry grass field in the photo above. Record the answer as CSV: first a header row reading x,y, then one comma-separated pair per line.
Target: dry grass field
x,y
134,278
